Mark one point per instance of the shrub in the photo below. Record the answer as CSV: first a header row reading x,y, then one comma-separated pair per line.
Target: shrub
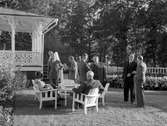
x,y
156,83
10,80
152,83
116,81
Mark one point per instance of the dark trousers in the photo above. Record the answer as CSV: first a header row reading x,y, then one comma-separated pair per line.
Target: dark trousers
x,y
129,86
54,83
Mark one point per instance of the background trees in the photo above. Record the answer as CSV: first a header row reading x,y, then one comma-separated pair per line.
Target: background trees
x,y
105,27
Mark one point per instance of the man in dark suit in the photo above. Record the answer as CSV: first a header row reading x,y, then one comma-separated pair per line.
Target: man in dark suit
x,y
128,74
89,84
140,79
99,70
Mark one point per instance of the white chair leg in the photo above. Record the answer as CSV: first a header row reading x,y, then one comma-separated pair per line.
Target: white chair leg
x,y
85,110
55,103
34,98
40,106
78,105
65,97
73,103
73,106
97,109
103,102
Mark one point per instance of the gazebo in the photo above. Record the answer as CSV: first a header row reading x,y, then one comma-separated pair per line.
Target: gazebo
x,y
19,21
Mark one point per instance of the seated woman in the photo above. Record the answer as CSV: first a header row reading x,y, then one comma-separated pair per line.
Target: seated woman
x,y
41,84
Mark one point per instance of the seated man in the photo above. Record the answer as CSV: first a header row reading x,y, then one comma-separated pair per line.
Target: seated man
x,y
89,84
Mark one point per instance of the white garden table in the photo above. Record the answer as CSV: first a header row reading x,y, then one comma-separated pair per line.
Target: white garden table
x,y
66,87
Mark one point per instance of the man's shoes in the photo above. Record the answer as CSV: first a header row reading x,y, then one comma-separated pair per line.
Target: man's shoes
x,y
133,103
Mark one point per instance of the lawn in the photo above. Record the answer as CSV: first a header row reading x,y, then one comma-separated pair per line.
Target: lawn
x,y
115,113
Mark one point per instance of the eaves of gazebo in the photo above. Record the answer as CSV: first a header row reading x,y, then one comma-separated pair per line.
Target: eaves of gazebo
x,y
19,21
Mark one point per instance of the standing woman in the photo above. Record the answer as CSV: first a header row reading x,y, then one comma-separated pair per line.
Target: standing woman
x,y
140,81
73,68
56,71
51,54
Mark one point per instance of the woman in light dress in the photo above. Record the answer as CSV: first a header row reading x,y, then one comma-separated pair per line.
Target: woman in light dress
x,y
56,71
73,69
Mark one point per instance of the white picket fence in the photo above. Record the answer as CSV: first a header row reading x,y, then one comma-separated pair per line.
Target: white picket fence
x,y
150,70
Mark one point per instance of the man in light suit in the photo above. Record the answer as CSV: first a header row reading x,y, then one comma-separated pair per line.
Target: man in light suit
x,y
140,80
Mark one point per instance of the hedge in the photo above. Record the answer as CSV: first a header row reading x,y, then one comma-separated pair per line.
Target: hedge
x,y
152,83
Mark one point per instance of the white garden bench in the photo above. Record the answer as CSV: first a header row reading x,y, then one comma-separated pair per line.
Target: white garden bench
x,y
44,95
90,100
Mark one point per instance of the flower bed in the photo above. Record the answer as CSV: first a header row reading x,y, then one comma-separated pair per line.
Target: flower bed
x,y
156,83
152,83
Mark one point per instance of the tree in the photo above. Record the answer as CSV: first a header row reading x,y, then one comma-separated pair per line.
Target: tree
x,y
118,19
76,32
156,20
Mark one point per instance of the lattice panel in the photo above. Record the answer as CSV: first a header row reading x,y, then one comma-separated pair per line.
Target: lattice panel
x,y
24,58
21,57
6,57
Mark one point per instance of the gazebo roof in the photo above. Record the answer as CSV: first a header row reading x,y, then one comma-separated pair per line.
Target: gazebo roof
x,y
24,22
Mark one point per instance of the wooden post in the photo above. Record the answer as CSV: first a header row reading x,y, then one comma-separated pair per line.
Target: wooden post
x,y
42,52
13,27
13,39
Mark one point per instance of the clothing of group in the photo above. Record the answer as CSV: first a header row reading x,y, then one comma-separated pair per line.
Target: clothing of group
x,y
55,72
134,79
78,70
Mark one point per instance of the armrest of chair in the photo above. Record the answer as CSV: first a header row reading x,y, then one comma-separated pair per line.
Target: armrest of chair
x,y
48,93
48,85
48,90
82,97
90,95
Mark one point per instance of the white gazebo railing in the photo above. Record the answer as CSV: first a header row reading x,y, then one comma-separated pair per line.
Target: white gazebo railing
x,y
19,21
22,58
157,70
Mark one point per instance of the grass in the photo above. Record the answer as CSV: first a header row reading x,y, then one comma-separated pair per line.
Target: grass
x,y
114,113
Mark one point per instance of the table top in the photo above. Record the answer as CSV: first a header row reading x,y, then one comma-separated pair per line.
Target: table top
x,y
69,87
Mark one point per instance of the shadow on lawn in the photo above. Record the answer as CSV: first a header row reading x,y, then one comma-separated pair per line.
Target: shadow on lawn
x,y
26,105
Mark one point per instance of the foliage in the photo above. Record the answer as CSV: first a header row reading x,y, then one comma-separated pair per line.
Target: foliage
x,y
152,83
106,27
9,82
156,83
116,81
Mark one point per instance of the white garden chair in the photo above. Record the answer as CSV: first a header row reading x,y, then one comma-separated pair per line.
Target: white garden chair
x,y
44,95
102,96
90,100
